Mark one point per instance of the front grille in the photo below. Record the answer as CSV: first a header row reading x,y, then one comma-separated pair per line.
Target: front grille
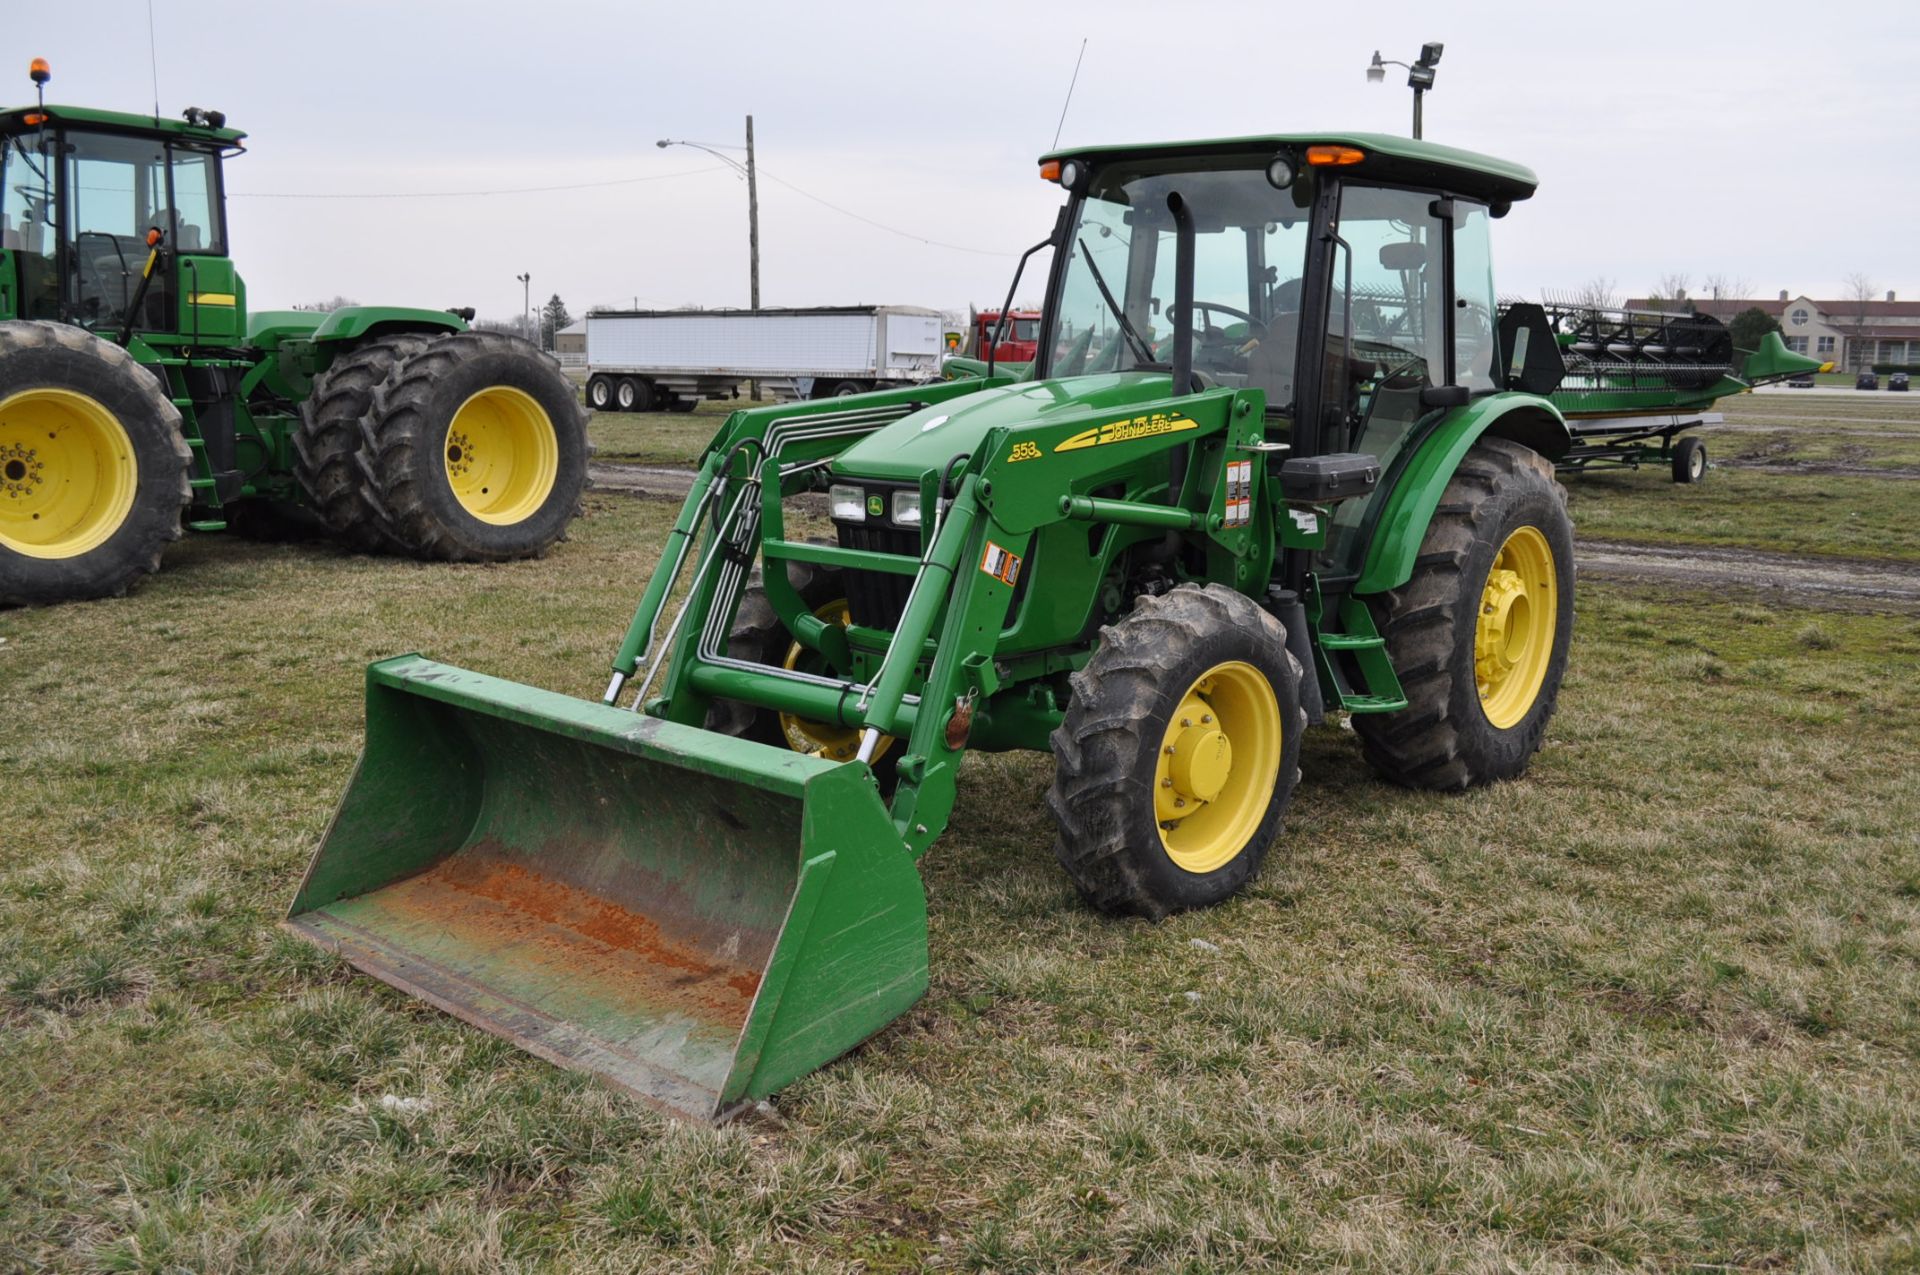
x,y
877,598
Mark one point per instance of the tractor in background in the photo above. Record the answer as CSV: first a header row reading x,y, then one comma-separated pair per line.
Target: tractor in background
x,y
140,397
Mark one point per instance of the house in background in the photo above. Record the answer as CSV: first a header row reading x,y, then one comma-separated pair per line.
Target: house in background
x,y
570,344
1854,334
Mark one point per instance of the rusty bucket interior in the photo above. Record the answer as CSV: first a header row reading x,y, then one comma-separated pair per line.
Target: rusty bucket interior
x,y
696,918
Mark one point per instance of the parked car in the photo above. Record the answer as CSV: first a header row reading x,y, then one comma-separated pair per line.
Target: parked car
x,y
1804,381
1898,381
1866,381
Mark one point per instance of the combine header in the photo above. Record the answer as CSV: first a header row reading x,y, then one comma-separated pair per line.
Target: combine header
x,y
1631,382
1270,464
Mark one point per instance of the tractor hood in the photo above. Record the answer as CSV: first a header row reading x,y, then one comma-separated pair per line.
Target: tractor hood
x,y
926,440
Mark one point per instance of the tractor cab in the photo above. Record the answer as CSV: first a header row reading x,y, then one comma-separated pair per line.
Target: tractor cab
x,y
82,195
1349,279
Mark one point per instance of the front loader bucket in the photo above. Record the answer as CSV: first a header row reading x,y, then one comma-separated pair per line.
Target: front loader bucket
x,y
696,918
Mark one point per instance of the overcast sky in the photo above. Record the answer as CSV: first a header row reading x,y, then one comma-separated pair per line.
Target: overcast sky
x,y
1764,142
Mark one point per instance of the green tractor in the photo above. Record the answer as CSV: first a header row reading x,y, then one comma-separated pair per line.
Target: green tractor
x,y
138,396
1275,462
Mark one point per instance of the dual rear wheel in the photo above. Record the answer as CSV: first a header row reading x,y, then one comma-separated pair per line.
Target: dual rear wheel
x,y
467,447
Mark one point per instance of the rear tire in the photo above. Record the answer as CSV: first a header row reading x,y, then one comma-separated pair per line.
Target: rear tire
x,y
481,451
684,405
1135,714
847,389
1690,461
632,394
1501,522
600,394
336,422
93,466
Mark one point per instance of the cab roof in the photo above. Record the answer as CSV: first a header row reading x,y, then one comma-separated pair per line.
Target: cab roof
x,y
1388,158
12,120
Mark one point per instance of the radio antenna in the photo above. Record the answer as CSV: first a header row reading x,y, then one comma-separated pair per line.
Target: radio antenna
x,y
153,60
1063,106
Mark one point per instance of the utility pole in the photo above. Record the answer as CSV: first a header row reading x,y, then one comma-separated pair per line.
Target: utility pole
x,y
526,302
753,219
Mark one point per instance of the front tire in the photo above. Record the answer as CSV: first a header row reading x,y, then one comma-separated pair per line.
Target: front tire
x,y
93,466
1179,753
1479,635
758,636
480,453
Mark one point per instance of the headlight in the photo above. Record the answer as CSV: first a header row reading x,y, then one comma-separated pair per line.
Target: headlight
x,y
848,504
906,507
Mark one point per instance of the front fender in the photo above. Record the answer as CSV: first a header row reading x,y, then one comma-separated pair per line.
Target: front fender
x,y
1526,419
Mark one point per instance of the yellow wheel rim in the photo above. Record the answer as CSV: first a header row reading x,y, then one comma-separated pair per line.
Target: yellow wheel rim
x,y
67,473
1513,641
835,743
502,455
1218,761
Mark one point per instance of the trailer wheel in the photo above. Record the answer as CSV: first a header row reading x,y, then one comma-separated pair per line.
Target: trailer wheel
x,y
1479,635
847,389
1689,461
93,466
1178,754
684,405
758,636
481,450
599,393
633,394
336,421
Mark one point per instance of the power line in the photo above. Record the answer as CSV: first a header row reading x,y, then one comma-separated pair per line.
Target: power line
x,y
879,225
462,194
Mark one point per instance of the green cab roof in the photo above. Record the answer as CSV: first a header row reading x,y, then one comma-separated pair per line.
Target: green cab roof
x,y
1391,158
12,120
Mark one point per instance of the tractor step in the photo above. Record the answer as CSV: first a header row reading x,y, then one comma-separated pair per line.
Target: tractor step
x,y
1372,703
207,524
1352,642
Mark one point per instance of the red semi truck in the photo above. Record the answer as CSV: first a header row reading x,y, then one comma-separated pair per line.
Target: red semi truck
x,y
1018,344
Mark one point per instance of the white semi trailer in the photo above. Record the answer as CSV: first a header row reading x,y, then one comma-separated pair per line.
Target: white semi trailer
x,y
667,360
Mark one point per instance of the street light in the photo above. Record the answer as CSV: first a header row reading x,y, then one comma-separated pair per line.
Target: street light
x,y
1419,74
526,302
753,202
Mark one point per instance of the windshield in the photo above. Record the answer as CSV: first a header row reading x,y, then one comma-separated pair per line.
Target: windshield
x,y
1112,311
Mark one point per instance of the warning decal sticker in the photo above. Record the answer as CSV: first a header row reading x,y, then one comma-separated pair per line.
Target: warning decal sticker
x,y
1001,565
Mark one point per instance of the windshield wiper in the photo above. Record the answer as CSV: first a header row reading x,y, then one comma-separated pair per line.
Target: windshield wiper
x,y
1140,346
27,155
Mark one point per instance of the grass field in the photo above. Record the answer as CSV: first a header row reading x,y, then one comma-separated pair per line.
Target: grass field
x,y
1655,1005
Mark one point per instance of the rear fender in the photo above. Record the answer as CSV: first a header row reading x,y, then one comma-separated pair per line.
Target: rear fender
x,y
1409,506
355,322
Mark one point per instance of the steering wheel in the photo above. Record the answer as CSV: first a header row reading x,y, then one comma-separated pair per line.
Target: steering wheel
x,y
1173,314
